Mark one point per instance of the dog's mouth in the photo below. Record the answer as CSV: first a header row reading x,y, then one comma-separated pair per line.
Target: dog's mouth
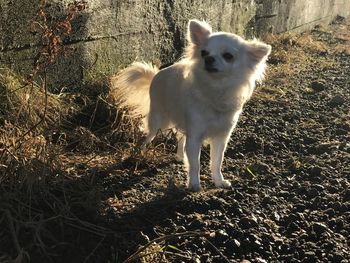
x,y
211,69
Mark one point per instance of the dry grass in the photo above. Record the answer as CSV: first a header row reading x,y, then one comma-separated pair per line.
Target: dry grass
x,y
27,103
53,150
293,51
27,110
292,55
42,194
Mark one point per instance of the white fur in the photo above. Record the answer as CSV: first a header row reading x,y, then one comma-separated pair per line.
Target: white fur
x,y
199,103
133,87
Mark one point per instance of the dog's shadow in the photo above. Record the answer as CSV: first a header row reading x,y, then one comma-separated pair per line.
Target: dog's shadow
x,y
141,218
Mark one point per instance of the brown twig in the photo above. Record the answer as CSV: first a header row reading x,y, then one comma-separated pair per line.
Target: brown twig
x,y
42,118
217,250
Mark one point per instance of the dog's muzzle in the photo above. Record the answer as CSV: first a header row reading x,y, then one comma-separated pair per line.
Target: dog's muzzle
x,y
209,64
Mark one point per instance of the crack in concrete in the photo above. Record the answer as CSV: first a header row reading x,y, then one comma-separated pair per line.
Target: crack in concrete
x,y
70,42
307,23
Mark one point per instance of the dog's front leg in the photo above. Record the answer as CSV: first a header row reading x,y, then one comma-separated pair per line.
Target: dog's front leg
x,y
217,150
193,148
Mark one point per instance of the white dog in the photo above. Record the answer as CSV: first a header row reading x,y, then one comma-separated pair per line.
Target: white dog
x,y
201,96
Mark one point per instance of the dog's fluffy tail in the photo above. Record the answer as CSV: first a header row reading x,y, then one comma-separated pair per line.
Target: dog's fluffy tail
x,y
131,87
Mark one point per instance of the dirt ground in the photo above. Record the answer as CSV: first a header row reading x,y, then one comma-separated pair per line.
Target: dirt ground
x,y
288,161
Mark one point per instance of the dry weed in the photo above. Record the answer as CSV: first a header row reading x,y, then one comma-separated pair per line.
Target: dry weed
x,y
27,103
41,205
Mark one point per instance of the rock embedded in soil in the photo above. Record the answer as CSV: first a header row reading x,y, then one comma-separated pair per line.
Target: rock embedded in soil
x,y
319,228
196,224
318,85
221,236
315,171
346,195
310,257
338,258
336,100
248,222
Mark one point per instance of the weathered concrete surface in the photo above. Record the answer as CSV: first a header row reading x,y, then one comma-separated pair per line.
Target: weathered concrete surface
x,y
297,15
112,33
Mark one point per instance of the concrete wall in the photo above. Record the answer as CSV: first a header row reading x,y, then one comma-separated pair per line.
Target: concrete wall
x,y
297,15
113,33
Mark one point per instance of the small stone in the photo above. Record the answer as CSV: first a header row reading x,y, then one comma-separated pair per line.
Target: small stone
x,y
283,193
181,229
319,228
232,246
221,236
346,194
217,202
266,200
276,216
310,257
196,224
315,171
318,187
260,167
312,192
239,196
337,100
330,212
293,227
217,259
300,207
337,258
318,85
247,222
260,260
205,257
236,243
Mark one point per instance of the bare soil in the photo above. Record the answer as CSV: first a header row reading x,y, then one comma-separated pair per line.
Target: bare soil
x,y
288,161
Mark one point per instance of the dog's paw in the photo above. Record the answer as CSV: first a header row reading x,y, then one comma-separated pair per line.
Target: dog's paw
x,y
194,187
223,184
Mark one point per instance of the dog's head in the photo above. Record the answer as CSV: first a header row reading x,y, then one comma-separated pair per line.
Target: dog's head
x,y
225,54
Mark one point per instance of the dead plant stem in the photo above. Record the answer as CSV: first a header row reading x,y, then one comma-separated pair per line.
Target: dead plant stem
x,y
42,118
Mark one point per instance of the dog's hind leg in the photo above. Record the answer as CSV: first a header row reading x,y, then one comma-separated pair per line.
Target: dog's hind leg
x,y
155,123
217,149
153,127
181,140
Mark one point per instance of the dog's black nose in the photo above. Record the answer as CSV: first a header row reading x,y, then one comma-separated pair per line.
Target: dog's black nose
x,y
209,60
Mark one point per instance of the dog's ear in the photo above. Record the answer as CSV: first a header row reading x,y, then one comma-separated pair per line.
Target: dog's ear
x,y
258,51
198,31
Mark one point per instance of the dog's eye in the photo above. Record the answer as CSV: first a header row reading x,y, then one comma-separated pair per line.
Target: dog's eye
x,y
227,56
204,53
